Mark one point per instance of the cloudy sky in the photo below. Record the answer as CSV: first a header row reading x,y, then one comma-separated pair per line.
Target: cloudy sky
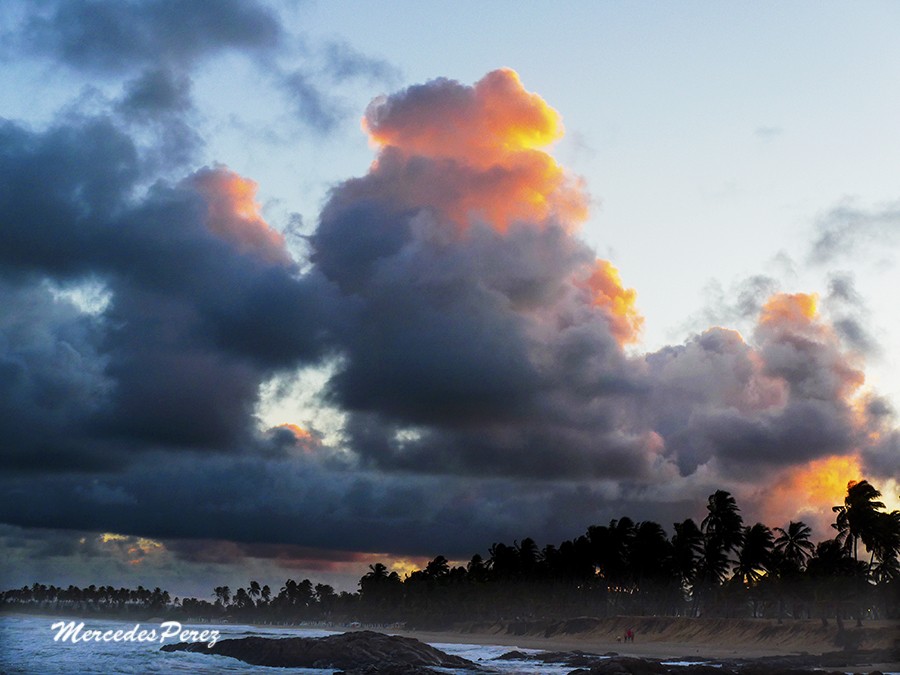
x,y
289,288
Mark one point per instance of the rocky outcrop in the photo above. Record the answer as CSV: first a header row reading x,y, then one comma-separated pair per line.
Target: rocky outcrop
x,y
575,658
624,665
358,652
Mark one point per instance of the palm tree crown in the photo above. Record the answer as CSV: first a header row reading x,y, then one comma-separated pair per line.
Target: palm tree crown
x,y
793,545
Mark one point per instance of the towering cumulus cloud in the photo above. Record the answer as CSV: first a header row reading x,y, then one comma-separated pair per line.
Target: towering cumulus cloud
x,y
486,335
473,153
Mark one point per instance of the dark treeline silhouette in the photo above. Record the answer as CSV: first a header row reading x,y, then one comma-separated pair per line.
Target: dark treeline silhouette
x,y
719,568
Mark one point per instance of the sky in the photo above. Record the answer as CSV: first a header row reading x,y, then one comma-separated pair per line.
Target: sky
x,y
287,289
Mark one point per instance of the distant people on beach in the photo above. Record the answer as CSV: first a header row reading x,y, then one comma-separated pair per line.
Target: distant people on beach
x,y
629,635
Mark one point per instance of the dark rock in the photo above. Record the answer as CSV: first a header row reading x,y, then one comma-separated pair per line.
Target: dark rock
x,y
353,652
624,665
390,670
701,669
514,655
573,658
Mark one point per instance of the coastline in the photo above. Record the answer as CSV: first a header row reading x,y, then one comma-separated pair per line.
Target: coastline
x,y
736,644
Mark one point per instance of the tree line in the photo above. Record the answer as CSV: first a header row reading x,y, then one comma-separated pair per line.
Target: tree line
x,y
721,567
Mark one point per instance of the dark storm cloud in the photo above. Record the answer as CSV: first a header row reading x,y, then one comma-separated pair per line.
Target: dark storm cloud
x,y
442,347
52,381
289,502
116,37
883,457
800,432
58,190
289,555
178,352
446,342
267,508
783,401
157,106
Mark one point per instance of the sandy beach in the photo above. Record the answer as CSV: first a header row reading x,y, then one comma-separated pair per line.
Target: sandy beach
x,y
674,638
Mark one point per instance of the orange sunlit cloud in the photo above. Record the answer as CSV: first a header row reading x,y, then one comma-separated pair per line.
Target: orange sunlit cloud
x,y
477,125
131,550
484,144
795,317
792,309
617,302
404,566
809,491
235,216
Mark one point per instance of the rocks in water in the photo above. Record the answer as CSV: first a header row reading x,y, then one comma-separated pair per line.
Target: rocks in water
x,y
391,670
356,653
624,665
575,658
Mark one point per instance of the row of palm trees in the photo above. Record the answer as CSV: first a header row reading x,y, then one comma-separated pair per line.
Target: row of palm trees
x,y
91,598
720,567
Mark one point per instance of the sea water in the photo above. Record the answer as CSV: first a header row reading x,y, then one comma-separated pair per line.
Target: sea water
x,y
27,645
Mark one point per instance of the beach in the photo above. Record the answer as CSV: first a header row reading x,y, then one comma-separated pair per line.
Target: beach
x,y
678,638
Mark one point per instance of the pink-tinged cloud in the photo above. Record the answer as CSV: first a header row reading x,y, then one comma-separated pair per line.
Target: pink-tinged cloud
x,y
234,214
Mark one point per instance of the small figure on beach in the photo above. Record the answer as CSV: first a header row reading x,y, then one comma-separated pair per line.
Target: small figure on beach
x,y
629,635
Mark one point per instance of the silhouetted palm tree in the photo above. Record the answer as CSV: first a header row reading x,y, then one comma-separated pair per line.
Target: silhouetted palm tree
x,y
723,532
649,554
437,568
857,518
755,555
504,561
886,547
610,550
223,594
793,545
723,521
241,599
687,547
476,569
254,591
529,557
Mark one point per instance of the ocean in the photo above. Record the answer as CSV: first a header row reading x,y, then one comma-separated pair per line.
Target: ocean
x,y
27,645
